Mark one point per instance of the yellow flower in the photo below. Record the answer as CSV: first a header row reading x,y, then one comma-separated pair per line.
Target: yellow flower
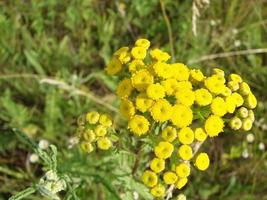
x,y
169,177
230,104
218,71
155,91
250,101
185,152
244,89
238,99
125,88
214,125
114,66
218,106
127,108
200,134
182,116
226,91
183,170
186,135
243,112
87,147
142,79
181,72
233,85
184,85
157,165
235,123
149,178
163,70
100,131
202,161
124,57
169,134
181,197
104,143
185,96
138,53
139,125
214,84
121,50
170,85
159,55
164,150
196,75
235,77
251,115
247,124
161,111
136,65
143,103
181,183
158,191
142,43
203,97
89,135
92,117
105,120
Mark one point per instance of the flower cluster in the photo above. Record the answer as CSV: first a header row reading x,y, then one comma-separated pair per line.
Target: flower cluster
x,y
94,130
183,103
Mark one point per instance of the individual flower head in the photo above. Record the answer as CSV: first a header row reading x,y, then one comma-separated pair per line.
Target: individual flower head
x,y
247,124
139,125
182,170
235,123
218,106
182,116
158,191
100,131
169,177
163,70
141,79
138,53
169,133
235,77
238,99
164,150
185,96
142,43
242,112
200,134
149,178
186,135
159,55
250,101
136,65
181,183
161,110
114,66
196,75
143,103
244,89
124,88
87,147
181,72
203,97
104,143
127,108
157,165
170,85
155,91
214,125
105,120
89,135
92,117
185,152
214,85
202,161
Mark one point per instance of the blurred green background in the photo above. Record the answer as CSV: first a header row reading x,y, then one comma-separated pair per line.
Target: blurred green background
x,y
52,56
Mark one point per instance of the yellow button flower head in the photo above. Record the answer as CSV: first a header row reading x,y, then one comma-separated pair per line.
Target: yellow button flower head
x,y
233,85
170,86
105,120
163,70
164,150
203,97
235,123
100,131
226,91
244,89
143,103
123,55
181,72
202,161
89,135
238,99
218,71
218,106
159,55
149,178
200,134
230,104
251,115
157,165
186,135
138,53
114,66
169,134
185,152
158,191
104,143
125,88
142,43
87,147
169,177
185,96
155,91
235,77
196,75
183,170
161,111
183,85
139,125
92,117
182,116
250,101
214,125
181,183
141,79
243,112
121,50
136,65
127,108
214,84
247,124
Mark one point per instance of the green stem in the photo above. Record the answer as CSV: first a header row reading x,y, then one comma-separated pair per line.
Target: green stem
x,y
23,193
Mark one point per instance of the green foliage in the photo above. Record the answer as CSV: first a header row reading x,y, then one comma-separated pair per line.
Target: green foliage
x,y
71,41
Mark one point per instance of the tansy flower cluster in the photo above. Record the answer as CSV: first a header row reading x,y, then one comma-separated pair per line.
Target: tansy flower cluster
x,y
94,130
186,105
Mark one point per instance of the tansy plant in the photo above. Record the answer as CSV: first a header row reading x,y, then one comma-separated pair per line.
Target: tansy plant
x,y
184,104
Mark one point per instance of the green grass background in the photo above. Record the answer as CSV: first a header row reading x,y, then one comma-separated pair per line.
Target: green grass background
x,y
50,49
